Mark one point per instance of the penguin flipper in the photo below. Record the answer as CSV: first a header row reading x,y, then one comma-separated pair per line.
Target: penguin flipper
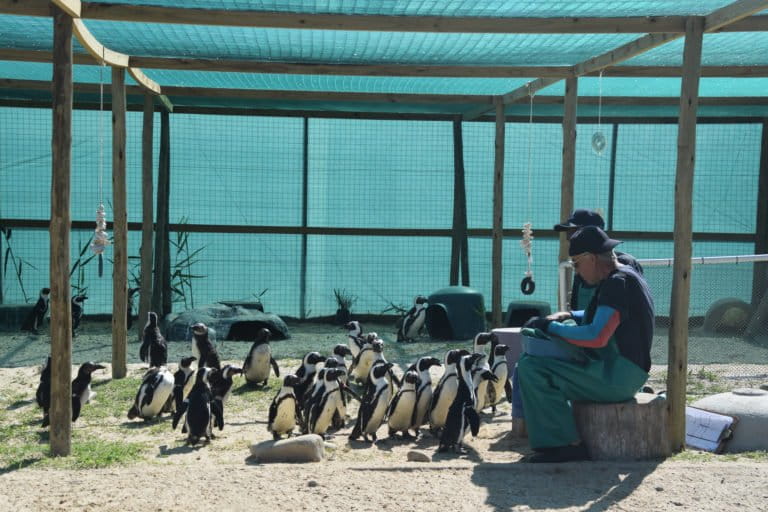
x,y
350,392
75,407
217,408
274,366
143,351
473,418
508,390
182,408
394,378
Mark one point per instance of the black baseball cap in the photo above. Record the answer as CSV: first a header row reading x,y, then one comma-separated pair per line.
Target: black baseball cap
x,y
581,218
590,239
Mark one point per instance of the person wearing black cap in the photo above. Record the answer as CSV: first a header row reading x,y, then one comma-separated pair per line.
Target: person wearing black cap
x,y
581,293
615,333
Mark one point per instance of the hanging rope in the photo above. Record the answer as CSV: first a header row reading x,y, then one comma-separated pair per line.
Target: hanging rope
x,y
599,142
527,285
100,236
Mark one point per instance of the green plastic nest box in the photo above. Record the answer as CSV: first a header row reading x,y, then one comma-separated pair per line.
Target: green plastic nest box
x,y
455,313
520,311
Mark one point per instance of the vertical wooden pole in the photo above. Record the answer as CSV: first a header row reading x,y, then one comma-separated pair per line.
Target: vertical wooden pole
x,y
568,177
304,220
612,177
147,214
460,245
60,412
497,243
165,140
760,276
120,229
161,229
681,277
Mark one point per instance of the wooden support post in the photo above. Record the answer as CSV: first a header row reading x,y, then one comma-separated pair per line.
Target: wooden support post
x,y
497,244
165,170
147,214
161,229
304,220
569,168
120,229
459,245
681,269
60,412
760,272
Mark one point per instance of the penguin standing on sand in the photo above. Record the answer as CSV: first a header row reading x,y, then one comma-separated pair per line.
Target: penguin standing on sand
x,y
203,349
77,311
43,393
197,406
423,390
462,415
154,393
482,379
306,374
259,359
371,351
445,391
81,387
182,381
316,392
284,411
501,384
401,409
323,410
154,349
413,322
34,320
355,338
374,405
131,294
221,386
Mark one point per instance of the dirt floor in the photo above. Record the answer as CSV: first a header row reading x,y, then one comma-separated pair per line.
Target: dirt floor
x,y
168,475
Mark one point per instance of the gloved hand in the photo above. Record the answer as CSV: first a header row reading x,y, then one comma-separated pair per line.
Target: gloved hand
x,y
538,322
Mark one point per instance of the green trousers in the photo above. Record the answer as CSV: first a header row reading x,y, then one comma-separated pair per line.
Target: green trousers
x,y
548,386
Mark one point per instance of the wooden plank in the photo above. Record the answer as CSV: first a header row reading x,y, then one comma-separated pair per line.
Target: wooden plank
x,y
733,12
147,214
497,240
677,365
518,94
568,177
161,229
165,102
71,7
61,307
120,228
98,51
144,81
623,52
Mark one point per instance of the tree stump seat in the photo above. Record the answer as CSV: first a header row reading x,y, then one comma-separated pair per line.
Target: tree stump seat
x,y
635,429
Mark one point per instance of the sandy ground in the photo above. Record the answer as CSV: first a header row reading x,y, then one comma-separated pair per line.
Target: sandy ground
x,y
355,476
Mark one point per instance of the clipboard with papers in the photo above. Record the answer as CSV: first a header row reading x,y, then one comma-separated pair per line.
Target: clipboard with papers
x,y
707,430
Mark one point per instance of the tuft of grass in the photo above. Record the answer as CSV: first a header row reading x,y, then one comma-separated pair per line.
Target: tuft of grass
x,y
98,453
113,398
702,456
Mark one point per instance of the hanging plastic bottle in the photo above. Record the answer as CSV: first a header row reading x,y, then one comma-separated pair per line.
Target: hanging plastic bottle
x,y
528,285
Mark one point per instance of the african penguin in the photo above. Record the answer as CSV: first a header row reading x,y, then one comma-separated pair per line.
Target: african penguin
x,y
197,423
413,322
77,311
481,374
81,387
182,381
131,293
154,349
502,383
401,409
370,351
323,410
283,411
354,336
373,407
317,390
445,391
34,320
221,386
43,393
155,390
480,341
461,414
306,375
259,359
203,349
423,391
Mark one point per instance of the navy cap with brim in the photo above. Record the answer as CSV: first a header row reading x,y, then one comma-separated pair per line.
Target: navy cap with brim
x,y
591,239
579,219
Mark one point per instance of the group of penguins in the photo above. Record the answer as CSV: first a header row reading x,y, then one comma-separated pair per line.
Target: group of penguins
x,y
314,398
33,322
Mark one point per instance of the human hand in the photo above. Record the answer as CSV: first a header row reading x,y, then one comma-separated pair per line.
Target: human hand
x,y
559,316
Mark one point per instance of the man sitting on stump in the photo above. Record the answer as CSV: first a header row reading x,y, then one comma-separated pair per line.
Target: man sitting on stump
x,y
615,333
